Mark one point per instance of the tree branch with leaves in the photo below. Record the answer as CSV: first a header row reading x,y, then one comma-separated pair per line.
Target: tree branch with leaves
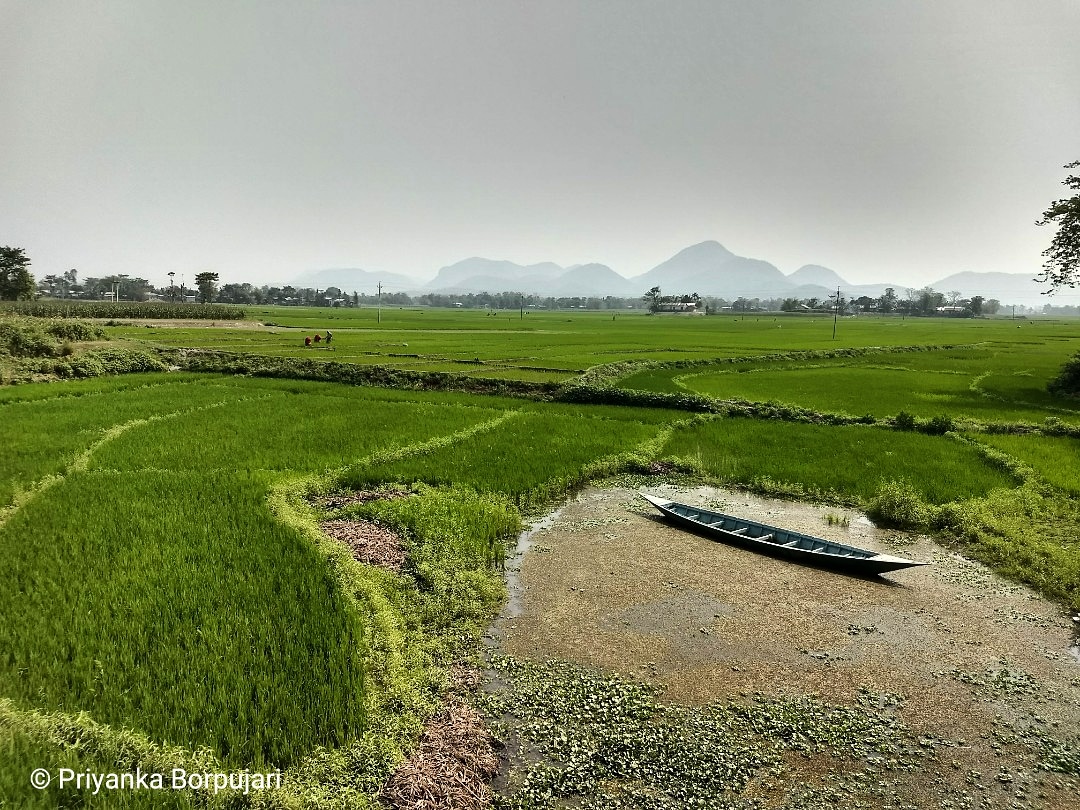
x,y
1062,266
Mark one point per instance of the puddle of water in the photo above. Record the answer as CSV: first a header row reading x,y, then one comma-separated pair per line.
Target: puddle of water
x,y
514,604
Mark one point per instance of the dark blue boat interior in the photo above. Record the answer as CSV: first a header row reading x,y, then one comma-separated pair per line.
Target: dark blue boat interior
x,y
761,533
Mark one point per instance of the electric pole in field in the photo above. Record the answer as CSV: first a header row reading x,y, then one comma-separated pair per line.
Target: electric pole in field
x,y
380,302
835,312
521,304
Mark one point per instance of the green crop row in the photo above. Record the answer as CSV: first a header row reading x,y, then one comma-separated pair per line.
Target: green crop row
x,y
527,459
847,463
134,310
174,603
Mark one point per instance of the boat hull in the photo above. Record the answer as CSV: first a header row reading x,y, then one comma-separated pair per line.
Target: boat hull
x,y
802,548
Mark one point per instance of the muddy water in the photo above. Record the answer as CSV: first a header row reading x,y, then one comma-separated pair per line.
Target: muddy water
x,y
608,584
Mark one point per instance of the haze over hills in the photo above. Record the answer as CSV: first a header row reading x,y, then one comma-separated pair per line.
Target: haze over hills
x,y
350,279
707,268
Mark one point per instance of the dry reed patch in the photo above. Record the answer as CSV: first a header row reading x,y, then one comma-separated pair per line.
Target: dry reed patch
x,y
451,766
370,543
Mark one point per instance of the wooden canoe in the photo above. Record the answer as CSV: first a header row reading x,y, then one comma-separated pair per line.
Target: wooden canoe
x,y
795,546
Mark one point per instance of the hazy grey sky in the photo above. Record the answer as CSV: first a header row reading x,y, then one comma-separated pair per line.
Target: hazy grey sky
x,y
897,141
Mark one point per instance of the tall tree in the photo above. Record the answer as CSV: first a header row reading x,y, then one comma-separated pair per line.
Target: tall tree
x,y
16,281
207,284
1062,266
652,297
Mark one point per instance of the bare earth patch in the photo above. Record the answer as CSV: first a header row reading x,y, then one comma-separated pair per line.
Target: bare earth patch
x,y
370,543
979,662
451,766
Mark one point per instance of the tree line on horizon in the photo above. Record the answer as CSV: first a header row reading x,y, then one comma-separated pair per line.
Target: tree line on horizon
x,y
922,302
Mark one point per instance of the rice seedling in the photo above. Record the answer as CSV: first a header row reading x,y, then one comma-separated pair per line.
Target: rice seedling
x,y
283,431
1055,458
173,579
541,450
41,436
176,604
878,391
842,462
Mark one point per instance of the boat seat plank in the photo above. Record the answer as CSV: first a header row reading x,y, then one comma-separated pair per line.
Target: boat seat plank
x,y
738,531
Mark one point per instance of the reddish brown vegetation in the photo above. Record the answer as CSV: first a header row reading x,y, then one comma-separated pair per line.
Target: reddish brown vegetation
x,y
370,543
451,766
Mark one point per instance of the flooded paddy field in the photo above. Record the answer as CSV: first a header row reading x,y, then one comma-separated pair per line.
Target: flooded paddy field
x,y
964,687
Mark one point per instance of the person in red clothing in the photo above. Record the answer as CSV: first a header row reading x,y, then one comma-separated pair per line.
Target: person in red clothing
x,y
307,342
318,337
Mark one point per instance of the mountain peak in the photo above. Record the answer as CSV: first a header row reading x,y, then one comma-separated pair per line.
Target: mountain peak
x,y
816,274
709,250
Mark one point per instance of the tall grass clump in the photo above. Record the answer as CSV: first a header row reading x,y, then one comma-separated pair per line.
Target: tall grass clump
x,y
899,504
35,349
1067,382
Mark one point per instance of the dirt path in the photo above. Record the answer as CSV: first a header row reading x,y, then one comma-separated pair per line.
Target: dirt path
x,y
976,660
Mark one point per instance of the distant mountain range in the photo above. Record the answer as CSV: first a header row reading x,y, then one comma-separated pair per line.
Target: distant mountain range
x,y
353,279
707,268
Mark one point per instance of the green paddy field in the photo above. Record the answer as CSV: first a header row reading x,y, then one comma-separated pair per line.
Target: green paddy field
x,y
169,599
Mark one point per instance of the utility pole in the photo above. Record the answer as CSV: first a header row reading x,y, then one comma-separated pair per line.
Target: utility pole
x,y
835,312
521,303
380,302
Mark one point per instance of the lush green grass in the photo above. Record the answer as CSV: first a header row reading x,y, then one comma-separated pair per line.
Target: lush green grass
x,y
42,436
286,431
158,586
849,461
176,604
175,580
20,755
1055,458
571,342
859,389
995,381
526,457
